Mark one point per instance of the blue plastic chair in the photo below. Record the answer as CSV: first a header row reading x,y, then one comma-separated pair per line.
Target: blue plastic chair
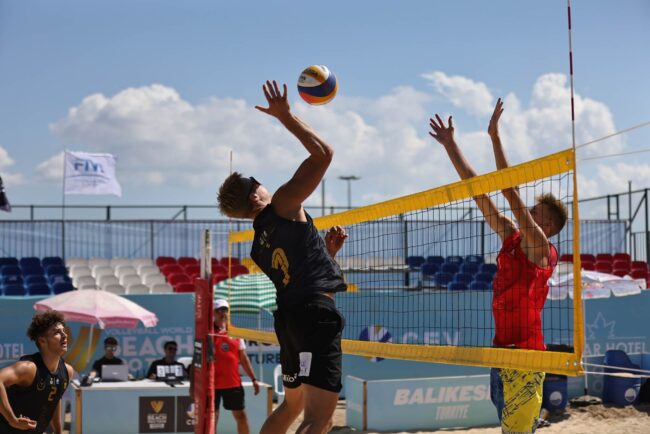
x,y
60,287
466,278
12,279
29,262
38,289
415,262
450,267
32,270
469,267
457,286
55,269
58,278
616,390
8,261
478,285
442,279
429,269
484,277
488,268
14,290
455,258
435,260
474,259
11,270
48,261
35,279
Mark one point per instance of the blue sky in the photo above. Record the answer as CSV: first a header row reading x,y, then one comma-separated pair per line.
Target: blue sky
x,y
169,88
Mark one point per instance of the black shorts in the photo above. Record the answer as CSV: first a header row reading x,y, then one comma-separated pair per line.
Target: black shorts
x,y
233,399
310,344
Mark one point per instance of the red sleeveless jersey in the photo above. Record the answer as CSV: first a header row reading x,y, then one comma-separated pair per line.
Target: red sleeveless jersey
x,y
520,290
226,351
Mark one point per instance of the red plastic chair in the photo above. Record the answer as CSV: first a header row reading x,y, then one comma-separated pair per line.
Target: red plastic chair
x,y
567,257
224,261
604,267
621,272
588,265
184,261
622,257
218,277
587,257
161,261
638,265
622,265
184,287
170,269
175,279
604,257
238,269
219,269
193,270
638,273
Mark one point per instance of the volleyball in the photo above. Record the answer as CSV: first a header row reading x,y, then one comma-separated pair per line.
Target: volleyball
x,y
317,85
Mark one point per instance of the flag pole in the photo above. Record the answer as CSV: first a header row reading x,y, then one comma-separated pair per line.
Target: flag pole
x,y
63,206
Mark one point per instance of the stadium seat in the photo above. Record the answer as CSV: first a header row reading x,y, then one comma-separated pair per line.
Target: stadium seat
x,y
218,277
116,262
55,269
29,270
58,278
137,262
29,262
474,259
228,260
193,270
484,277
435,260
184,261
137,288
49,261
219,269
454,259
184,287
480,286
8,261
620,272
604,257
469,267
450,267
129,279
621,264
465,278
71,262
622,257
96,262
587,265
80,270
638,273
101,270
587,257
161,261
414,262
11,270
115,289
442,279
38,289
123,270
107,279
175,279
638,265
35,279
429,269
457,286
488,268
12,279
84,282
152,279
161,288
238,269
567,257
14,290
170,269
146,269
61,287
604,267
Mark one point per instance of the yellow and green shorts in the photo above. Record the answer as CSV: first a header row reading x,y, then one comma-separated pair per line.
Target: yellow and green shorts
x,y
517,395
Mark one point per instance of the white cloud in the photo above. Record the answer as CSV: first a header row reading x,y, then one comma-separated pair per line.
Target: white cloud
x,y
51,169
160,138
9,178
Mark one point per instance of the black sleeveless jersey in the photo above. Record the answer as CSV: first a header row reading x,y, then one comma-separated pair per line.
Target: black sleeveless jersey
x,y
39,400
293,255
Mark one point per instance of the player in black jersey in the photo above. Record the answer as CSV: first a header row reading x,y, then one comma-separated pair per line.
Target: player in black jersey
x,y
288,248
31,389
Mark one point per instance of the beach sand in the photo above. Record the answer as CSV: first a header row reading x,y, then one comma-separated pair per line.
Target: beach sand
x,y
594,419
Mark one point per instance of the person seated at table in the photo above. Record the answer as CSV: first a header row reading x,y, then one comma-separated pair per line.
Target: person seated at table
x,y
171,347
110,347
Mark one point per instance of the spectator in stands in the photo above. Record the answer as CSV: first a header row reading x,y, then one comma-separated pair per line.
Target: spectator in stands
x,y
524,265
171,347
110,347
229,354
290,251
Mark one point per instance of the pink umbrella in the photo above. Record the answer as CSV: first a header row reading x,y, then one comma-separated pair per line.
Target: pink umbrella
x,y
103,308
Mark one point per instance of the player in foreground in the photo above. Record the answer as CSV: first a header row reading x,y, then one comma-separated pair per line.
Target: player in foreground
x,y
524,265
31,389
288,249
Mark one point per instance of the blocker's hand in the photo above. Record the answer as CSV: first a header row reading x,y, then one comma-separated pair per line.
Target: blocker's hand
x,y
444,135
493,127
278,104
334,239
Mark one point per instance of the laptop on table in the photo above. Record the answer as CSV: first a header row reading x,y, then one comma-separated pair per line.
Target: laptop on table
x,y
115,373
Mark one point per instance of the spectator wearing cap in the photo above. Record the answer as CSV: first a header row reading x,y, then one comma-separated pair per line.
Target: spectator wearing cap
x,y
110,348
171,348
229,354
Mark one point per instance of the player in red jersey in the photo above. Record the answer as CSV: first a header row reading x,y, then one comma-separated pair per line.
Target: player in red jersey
x,y
524,265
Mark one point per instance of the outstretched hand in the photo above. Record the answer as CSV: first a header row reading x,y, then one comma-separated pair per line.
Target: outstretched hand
x,y
334,239
278,104
444,135
493,127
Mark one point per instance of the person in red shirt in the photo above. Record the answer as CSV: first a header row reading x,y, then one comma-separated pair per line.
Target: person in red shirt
x,y
524,265
229,353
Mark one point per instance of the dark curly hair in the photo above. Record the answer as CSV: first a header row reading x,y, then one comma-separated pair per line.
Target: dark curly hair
x,y
41,323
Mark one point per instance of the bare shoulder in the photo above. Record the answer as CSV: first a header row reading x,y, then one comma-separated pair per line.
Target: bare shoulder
x,y
70,370
21,373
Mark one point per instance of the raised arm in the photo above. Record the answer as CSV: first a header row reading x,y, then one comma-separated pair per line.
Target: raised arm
x,y
287,200
499,223
534,242
334,239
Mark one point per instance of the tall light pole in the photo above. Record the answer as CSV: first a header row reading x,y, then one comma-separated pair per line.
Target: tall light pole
x,y
349,178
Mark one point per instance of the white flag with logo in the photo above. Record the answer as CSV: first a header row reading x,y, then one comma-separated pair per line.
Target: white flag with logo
x,y
90,174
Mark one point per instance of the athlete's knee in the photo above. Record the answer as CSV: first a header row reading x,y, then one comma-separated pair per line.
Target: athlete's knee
x,y
239,415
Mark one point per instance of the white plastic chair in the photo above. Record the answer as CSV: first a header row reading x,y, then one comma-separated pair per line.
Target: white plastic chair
x,y
84,282
80,270
137,262
105,280
115,289
102,270
162,288
94,262
124,270
129,279
152,279
145,269
115,262
71,262
137,288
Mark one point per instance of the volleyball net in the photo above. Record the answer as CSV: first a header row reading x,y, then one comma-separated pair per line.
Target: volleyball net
x,y
420,271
